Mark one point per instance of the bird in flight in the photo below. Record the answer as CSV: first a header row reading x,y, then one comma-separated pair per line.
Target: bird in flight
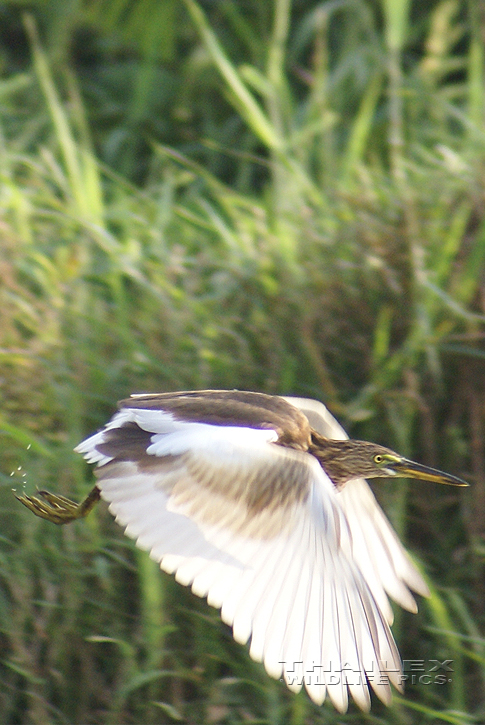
x,y
260,504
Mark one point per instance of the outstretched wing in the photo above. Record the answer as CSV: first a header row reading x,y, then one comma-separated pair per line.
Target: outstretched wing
x,y
257,528
382,559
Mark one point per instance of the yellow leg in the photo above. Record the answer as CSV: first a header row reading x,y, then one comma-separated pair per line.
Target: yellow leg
x,y
59,509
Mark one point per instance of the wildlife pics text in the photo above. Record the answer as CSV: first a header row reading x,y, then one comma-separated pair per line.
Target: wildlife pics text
x,y
414,672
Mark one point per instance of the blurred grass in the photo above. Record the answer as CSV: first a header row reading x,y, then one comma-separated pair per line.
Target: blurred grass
x,y
316,227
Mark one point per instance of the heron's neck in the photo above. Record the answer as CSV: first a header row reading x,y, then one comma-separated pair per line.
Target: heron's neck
x,y
333,457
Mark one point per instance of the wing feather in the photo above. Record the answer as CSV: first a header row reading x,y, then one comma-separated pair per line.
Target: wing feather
x,y
261,531
384,562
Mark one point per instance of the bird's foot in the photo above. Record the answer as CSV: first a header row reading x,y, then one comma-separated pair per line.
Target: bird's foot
x,y
59,509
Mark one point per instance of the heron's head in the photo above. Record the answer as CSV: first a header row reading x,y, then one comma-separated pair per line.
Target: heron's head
x,y
343,461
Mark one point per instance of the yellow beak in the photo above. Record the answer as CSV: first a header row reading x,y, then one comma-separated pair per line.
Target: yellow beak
x,y
411,469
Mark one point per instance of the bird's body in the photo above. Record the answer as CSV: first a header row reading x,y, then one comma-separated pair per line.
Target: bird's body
x,y
258,503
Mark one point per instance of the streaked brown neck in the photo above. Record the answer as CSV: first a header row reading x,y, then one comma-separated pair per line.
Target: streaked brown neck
x,y
333,457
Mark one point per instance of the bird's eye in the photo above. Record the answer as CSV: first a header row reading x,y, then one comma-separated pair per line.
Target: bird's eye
x,y
378,458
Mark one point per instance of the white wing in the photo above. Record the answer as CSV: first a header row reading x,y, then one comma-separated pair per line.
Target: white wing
x,y
279,566
385,564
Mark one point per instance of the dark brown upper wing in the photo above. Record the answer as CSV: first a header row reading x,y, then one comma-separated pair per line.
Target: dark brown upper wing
x,y
231,408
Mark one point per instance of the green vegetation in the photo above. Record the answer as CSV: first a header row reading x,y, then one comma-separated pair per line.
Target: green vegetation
x,y
271,196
